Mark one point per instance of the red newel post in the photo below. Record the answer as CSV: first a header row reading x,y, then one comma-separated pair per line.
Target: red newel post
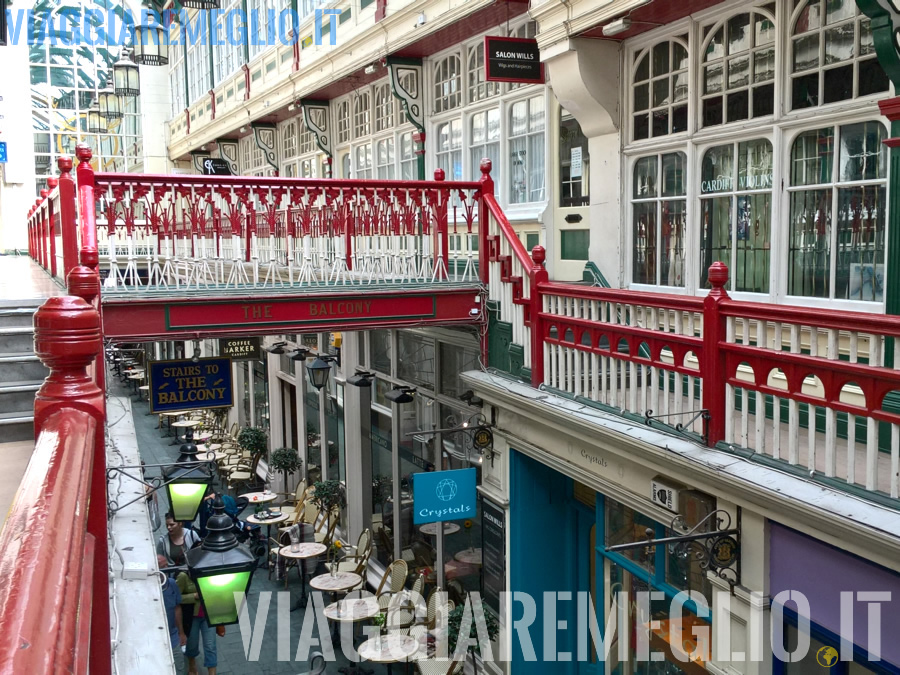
x,y
85,175
42,240
68,210
713,366
487,188
67,339
538,276
47,215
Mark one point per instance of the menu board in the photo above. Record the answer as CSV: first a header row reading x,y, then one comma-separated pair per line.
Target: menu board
x,y
493,532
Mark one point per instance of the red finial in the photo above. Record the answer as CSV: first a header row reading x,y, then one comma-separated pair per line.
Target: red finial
x,y
486,166
44,193
439,174
83,152
718,275
65,162
52,182
538,253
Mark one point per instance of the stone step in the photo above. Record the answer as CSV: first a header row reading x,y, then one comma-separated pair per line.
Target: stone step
x,y
17,316
18,397
22,366
17,426
16,339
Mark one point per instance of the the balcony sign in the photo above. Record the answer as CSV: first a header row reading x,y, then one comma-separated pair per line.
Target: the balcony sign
x,y
190,385
443,495
240,349
512,60
214,166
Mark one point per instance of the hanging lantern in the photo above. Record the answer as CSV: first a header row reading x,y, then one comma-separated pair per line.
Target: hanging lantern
x,y
96,124
151,45
187,483
109,102
126,78
318,371
221,567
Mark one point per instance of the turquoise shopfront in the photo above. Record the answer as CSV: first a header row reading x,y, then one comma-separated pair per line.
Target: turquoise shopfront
x,y
559,531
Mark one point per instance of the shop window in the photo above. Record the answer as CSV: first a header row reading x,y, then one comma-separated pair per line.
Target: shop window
x,y
449,149
363,164
415,359
479,90
526,150
658,213
289,139
484,135
660,90
837,213
343,121
307,140
456,360
525,31
832,54
574,163
532,239
408,164
736,213
574,244
380,351
384,158
739,68
447,86
361,115
384,108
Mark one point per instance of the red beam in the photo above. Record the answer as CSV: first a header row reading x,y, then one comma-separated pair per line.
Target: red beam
x,y
187,317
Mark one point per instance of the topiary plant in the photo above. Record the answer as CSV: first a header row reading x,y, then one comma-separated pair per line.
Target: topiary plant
x,y
329,495
287,461
253,440
454,626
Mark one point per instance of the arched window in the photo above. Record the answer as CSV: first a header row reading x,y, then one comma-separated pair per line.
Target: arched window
x,y
449,149
527,31
289,139
343,121
384,108
661,90
739,68
837,212
735,213
307,140
447,86
479,90
658,219
384,158
832,54
361,115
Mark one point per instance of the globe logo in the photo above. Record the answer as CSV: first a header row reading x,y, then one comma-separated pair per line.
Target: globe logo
x,y
827,656
446,490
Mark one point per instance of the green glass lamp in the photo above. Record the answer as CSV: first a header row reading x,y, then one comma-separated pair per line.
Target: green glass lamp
x,y
187,481
221,567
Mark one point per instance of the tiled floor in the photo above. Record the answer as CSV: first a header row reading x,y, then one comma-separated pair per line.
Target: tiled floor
x,y
22,279
232,649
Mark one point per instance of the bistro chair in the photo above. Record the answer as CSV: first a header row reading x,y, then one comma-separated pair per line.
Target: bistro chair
x,y
392,582
435,667
358,561
400,614
290,505
326,536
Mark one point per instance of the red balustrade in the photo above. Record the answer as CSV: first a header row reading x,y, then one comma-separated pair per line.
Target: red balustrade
x,y
817,390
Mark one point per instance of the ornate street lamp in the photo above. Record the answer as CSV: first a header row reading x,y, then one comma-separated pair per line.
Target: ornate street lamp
x,y
319,370
96,123
151,47
126,77
109,102
221,567
187,483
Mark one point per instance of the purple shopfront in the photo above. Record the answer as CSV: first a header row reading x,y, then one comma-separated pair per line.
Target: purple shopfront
x,y
822,574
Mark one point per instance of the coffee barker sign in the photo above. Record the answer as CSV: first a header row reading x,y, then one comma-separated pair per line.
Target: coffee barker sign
x,y
443,495
189,385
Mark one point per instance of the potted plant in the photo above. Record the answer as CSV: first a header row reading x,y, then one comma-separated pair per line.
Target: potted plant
x,y
253,440
329,496
287,461
454,626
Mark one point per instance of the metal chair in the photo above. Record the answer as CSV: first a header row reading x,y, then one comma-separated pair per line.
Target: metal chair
x,y
395,579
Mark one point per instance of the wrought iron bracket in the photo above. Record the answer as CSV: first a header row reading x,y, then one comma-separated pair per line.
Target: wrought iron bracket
x,y
682,427
153,483
718,551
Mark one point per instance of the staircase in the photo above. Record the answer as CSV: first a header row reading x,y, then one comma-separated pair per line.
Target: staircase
x,y
21,373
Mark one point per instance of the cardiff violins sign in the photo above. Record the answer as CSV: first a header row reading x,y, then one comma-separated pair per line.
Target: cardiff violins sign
x,y
512,60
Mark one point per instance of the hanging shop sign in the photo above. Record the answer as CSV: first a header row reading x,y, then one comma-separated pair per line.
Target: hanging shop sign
x,y
493,553
214,166
190,385
240,349
512,60
443,495
483,439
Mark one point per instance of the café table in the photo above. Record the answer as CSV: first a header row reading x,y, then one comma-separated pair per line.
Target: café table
x,y
183,424
260,498
353,611
388,649
276,518
469,556
304,550
431,529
